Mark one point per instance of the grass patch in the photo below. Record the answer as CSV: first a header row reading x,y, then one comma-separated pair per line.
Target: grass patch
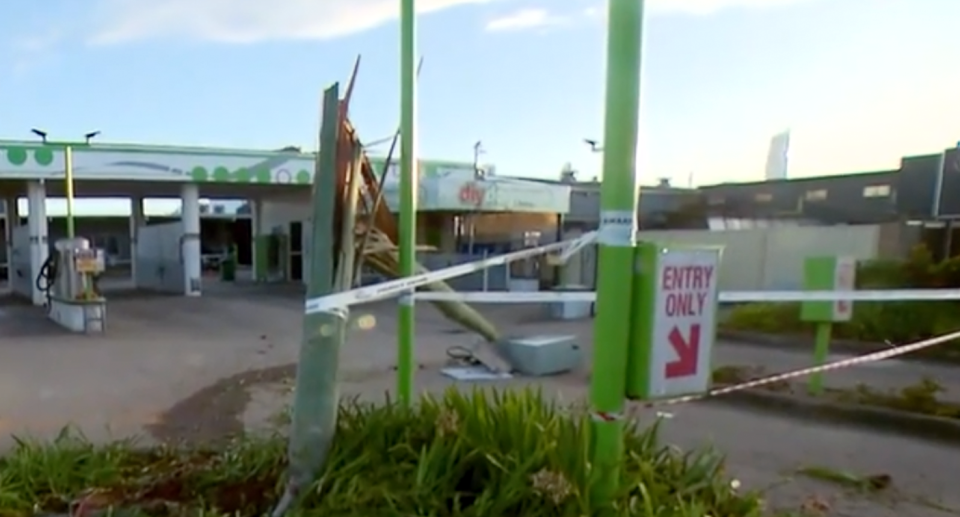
x,y
731,375
921,398
479,454
870,483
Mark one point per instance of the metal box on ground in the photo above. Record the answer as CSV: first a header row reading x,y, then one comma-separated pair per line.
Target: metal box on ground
x,y
542,355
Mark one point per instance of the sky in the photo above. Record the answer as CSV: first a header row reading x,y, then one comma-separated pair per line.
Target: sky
x,y
859,83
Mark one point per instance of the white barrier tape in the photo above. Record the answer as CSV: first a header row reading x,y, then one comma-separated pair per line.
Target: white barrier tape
x,y
887,295
724,296
793,374
606,416
506,296
395,287
577,246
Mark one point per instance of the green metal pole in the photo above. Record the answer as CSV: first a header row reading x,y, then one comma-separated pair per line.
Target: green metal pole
x,y
618,206
821,350
408,200
316,398
68,179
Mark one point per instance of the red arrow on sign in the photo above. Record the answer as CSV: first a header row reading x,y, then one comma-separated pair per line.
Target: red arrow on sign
x,y
688,351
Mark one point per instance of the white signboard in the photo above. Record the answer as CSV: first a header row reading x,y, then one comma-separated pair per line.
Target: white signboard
x,y
684,329
844,279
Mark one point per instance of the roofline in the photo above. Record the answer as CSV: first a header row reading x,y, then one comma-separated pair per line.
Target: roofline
x,y
801,180
195,150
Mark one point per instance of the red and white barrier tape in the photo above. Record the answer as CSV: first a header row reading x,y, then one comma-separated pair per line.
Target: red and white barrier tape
x,y
606,416
836,365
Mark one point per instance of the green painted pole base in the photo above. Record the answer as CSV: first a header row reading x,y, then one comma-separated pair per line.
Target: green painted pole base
x,y
821,351
616,237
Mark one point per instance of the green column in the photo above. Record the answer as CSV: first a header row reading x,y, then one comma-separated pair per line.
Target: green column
x,y
261,249
618,203
68,187
408,200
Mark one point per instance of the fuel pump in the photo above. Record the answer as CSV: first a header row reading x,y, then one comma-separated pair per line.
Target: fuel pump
x,y
69,273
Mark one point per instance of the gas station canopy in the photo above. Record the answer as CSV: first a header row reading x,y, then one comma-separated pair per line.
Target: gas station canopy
x,y
444,185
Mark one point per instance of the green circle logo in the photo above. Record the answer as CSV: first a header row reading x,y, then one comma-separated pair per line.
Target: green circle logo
x,y
43,156
221,175
199,174
17,155
262,175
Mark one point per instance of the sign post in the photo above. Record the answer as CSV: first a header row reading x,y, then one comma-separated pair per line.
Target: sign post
x,y
826,274
673,332
409,176
615,239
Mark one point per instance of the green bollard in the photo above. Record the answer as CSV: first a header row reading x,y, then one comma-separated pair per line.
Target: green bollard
x,y
826,274
228,267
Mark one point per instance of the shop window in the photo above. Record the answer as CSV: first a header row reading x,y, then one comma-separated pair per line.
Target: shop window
x,y
876,191
815,195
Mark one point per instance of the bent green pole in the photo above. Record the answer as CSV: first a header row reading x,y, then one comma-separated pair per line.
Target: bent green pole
x,y
618,208
406,329
315,400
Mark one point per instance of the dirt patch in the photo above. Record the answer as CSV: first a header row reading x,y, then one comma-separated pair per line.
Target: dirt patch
x,y
216,411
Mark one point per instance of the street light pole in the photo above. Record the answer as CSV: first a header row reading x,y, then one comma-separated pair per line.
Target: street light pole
x,y
595,146
68,179
67,172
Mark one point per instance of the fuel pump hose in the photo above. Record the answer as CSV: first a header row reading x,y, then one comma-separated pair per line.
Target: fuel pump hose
x,y
47,277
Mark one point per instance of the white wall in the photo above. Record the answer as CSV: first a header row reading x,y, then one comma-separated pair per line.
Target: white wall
x,y
22,275
159,259
766,258
279,212
786,249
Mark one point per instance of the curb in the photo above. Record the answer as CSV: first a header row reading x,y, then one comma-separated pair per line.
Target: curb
x,y
806,407
805,343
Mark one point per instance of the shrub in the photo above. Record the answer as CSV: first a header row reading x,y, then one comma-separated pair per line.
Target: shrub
x,y
897,322
882,274
459,455
773,318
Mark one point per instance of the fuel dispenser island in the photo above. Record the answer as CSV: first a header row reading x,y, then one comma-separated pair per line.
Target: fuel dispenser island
x,y
68,278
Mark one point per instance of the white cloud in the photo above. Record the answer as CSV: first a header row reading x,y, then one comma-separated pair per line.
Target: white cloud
x,y
251,21
692,7
523,19
38,42
248,21
592,12
31,52
712,6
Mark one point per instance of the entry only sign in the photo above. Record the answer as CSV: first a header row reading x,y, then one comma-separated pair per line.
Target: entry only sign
x,y
672,343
